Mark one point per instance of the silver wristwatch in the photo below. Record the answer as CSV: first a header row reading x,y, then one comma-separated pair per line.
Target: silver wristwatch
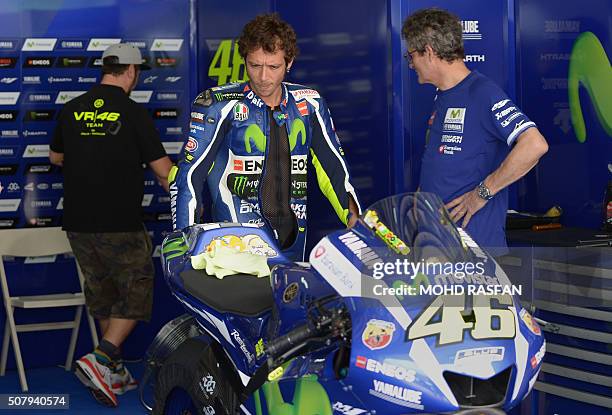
x,y
483,191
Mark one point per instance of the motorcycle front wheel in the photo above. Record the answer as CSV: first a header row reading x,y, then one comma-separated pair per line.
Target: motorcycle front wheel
x,y
190,382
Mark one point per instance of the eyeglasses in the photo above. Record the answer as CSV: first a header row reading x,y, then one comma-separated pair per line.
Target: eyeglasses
x,y
408,56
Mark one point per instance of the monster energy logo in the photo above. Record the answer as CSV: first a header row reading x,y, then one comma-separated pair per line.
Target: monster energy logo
x,y
254,134
240,184
590,66
243,185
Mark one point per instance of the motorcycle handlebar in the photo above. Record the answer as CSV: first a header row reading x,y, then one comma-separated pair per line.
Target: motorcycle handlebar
x,y
294,337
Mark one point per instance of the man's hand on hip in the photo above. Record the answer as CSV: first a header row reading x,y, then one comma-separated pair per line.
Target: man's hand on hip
x,y
465,206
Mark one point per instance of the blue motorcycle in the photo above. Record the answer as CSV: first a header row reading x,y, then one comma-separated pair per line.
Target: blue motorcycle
x,y
401,314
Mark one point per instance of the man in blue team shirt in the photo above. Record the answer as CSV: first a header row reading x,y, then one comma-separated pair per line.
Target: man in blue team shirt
x,y
479,142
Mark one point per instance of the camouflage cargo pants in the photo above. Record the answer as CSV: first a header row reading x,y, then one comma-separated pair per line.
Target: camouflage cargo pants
x,y
118,273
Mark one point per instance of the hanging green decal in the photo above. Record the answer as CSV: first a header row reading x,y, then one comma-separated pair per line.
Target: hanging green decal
x,y
309,398
590,66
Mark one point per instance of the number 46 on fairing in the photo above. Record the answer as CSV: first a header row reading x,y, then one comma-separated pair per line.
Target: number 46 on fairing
x,y
221,68
451,318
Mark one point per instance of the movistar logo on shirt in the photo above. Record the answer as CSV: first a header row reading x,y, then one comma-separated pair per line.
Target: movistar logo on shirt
x,y
454,120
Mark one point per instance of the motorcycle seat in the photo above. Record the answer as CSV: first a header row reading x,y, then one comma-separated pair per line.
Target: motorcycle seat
x,y
241,294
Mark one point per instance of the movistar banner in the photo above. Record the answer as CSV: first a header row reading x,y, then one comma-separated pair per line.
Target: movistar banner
x,y
566,85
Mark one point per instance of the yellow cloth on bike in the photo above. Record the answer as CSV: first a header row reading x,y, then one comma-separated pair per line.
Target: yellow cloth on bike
x,y
221,261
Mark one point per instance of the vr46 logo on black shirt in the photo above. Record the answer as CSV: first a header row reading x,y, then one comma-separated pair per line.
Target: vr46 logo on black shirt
x,y
94,116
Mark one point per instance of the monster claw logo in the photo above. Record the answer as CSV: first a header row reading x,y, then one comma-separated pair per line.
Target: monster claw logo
x,y
240,184
590,66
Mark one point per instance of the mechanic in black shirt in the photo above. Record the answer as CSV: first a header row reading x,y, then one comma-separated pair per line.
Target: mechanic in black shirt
x,y
102,140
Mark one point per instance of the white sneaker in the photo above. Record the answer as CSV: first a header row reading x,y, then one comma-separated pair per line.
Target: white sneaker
x,y
122,380
97,377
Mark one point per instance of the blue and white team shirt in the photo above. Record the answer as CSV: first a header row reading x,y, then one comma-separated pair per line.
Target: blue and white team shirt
x,y
472,128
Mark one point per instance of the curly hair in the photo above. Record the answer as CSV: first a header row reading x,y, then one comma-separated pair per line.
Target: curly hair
x,y
269,32
437,28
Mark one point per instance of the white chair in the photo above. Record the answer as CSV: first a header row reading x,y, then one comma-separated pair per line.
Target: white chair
x,y
37,242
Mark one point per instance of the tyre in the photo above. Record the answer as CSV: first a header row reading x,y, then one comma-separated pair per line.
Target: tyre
x,y
191,382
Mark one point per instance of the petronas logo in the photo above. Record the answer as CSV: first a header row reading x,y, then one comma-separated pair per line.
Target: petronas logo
x,y
590,67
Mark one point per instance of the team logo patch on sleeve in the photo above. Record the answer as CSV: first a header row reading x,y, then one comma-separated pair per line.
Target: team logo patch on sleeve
x,y
191,145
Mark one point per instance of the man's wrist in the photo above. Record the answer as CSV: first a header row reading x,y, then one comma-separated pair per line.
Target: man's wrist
x,y
483,191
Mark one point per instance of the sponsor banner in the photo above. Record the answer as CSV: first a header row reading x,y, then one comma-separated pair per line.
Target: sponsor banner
x,y
39,168
8,169
7,80
9,134
40,259
8,152
65,96
7,62
8,116
41,204
147,199
141,96
38,97
39,62
40,221
167,96
165,113
39,115
174,130
9,98
87,80
140,44
58,79
9,187
474,58
39,44
165,62
71,44
71,62
172,147
166,45
471,30
36,150
9,205
34,133
100,45
95,62
149,79
34,80
7,223
8,44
